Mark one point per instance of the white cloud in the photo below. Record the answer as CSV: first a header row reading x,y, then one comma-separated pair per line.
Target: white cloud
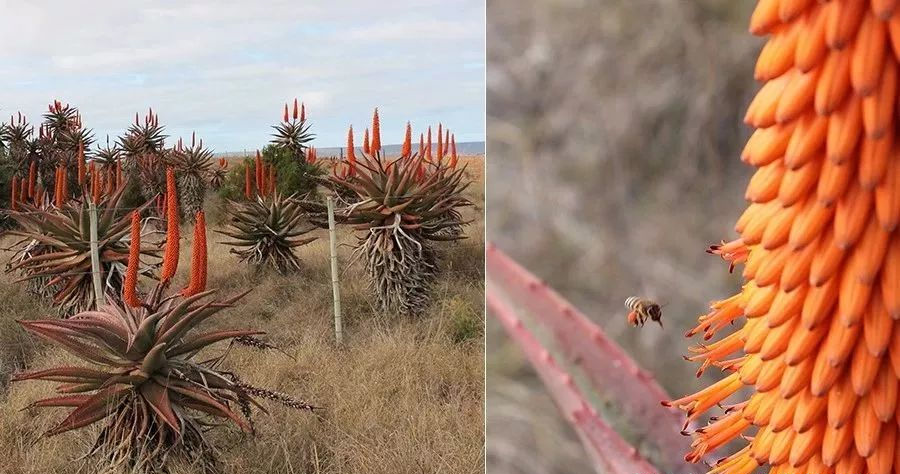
x,y
225,68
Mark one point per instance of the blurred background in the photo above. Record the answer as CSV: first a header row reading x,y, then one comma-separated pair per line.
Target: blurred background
x,y
614,133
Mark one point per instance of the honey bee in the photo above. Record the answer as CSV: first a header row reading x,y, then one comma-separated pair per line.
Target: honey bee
x,y
642,309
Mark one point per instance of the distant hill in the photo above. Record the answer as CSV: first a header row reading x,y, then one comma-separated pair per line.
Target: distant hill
x,y
464,148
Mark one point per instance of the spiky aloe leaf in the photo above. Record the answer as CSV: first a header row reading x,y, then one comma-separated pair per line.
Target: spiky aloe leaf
x,y
612,374
609,453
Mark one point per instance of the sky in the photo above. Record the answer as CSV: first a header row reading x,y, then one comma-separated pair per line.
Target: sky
x,y
225,68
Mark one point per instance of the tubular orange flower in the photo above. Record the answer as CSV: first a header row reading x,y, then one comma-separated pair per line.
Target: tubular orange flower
x,y
32,176
376,132
818,345
407,141
197,283
421,145
428,145
440,142
453,157
366,148
285,113
95,184
248,186
296,109
312,155
129,288
302,112
351,153
23,190
14,191
170,255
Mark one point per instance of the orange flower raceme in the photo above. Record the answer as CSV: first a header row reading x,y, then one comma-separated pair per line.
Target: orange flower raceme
x,y
351,153
81,167
170,256
366,148
129,288
32,176
259,173
817,343
440,142
376,132
407,141
197,283
453,157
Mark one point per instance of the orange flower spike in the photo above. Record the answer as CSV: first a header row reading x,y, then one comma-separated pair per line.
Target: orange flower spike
x,y
285,118
822,284
23,190
197,281
376,132
296,109
453,157
14,191
170,255
302,112
129,287
407,141
366,149
440,142
351,153
421,145
81,166
32,176
248,186
428,145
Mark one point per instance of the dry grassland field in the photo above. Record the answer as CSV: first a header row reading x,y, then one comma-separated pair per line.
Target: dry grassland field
x,y
404,395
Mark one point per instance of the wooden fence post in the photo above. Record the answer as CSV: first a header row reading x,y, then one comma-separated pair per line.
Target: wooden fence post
x,y
335,281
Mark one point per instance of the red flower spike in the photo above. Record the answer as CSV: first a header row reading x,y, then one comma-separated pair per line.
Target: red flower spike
x,y
259,173
440,143
351,152
285,113
407,141
296,109
170,255
129,288
302,112
366,148
453,157
197,283
376,132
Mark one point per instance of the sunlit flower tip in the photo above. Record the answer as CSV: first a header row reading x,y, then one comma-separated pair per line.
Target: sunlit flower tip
x,y
129,287
170,255
197,282
285,118
366,148
296,113
376,132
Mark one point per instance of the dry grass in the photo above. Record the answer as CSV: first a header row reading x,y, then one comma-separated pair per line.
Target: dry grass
x,y
403,396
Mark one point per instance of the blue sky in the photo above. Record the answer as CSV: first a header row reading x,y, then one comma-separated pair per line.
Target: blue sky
x,y
225,68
